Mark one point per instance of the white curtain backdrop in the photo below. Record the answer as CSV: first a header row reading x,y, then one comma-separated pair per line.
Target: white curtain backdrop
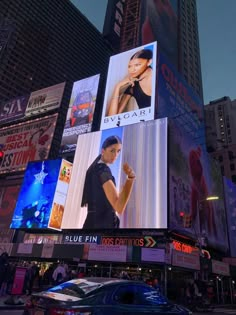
x,y
74,215
145,149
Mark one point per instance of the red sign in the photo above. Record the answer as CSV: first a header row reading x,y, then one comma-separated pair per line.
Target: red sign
x,y
182,247
19,280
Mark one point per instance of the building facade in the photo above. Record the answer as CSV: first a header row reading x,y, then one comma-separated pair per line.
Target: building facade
x,y
220,118
173,24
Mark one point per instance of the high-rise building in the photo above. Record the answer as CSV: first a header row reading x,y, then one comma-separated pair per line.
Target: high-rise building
x,y
173,24
220,116
43,43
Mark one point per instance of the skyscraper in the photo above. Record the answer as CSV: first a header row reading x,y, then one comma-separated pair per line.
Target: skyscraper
x,y
220,118
173,24
43,43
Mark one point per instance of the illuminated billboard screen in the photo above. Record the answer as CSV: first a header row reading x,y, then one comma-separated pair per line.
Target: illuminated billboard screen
x,y
80,113
159,22
24,142
41,200
130,89
100,194
192,179
230,201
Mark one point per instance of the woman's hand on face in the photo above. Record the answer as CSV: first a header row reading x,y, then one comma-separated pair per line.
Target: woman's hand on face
x,y
128,171
126,81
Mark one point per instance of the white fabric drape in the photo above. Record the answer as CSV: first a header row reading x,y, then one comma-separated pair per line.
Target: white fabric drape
x,y
74,215
145,149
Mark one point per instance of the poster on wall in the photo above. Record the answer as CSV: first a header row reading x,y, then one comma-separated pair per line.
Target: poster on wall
x,y
131,86
159,22
24,142
44,100
41,200
13,109
104,166
192,179
80,112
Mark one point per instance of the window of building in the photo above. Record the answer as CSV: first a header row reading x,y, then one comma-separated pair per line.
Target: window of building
x,y
232,167
222,170
233,177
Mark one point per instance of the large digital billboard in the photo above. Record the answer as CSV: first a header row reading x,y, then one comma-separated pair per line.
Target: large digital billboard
x,y
230,201
178,101
130,89
80,112
101,195
24,142
192,179
159,22
41,200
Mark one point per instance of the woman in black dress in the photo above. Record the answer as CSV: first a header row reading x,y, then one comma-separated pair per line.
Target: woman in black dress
x,y
100,193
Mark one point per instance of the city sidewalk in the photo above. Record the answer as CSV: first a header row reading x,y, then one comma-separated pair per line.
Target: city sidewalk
x,y
16,302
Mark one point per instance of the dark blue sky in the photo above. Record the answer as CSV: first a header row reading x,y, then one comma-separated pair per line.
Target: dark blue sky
x,y
217,35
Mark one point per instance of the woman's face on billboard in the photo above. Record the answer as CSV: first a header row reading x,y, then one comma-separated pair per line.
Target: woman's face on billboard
x,y
137,66
111,153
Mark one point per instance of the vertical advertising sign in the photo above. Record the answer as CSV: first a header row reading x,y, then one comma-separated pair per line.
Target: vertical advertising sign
x,y
43,191
102,162
28,141
192,179
44,100
114,21
178,101
159,22
80,113
13,109
130,89
230,201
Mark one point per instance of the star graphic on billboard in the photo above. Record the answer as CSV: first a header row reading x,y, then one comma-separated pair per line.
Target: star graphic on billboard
x,y
41,175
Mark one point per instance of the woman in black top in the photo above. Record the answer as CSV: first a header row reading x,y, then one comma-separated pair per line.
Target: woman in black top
x,y
138,84
100,193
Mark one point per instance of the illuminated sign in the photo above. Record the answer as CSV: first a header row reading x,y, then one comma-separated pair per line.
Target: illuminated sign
x,y
184,247
81,239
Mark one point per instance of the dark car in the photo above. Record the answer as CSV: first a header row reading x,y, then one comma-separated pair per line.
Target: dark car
x,y
101,296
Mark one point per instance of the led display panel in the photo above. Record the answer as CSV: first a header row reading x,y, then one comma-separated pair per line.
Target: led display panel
x,y
130,89
80,112
100,196
41,200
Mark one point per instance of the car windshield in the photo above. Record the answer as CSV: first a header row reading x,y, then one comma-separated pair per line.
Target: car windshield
x,y
76,287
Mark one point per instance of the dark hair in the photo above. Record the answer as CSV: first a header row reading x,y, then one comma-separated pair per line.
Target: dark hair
x,y
144,54
110,141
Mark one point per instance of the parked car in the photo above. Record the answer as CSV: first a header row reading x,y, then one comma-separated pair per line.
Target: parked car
x,y
101,296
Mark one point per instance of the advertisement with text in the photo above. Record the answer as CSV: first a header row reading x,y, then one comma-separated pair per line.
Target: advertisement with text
x,y
80,113
28,141
130,89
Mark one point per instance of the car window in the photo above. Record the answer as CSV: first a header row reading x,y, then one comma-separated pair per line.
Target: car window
x,y
138,295
125,295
